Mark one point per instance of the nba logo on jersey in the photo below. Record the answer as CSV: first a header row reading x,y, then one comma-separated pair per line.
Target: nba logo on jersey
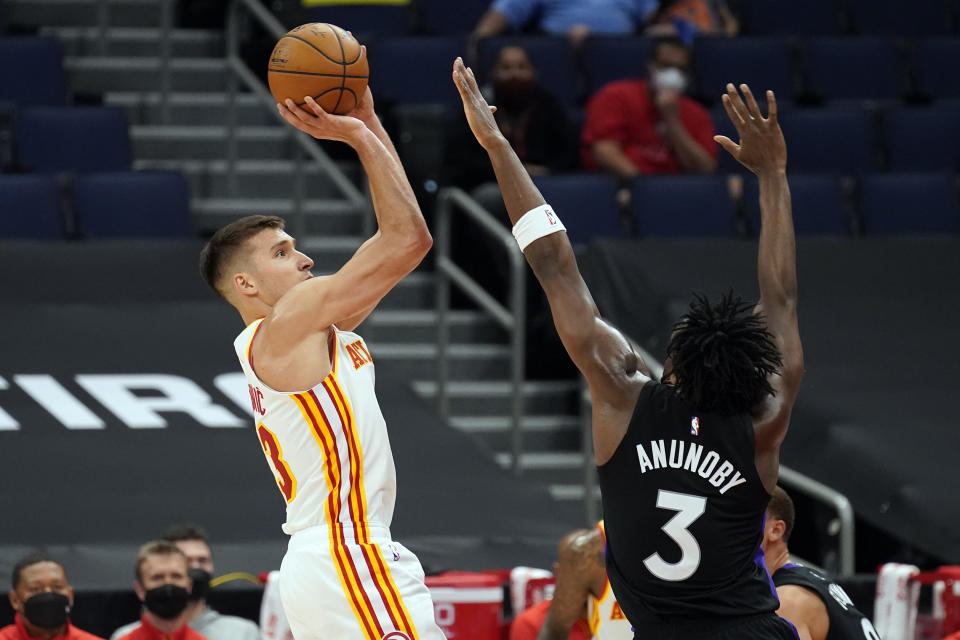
x,y
551,219
695,425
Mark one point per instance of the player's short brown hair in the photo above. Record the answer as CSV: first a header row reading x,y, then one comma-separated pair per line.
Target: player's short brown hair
x,y
781,508
226,242
156,548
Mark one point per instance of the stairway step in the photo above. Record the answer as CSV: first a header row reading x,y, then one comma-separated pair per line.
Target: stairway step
x,y
572,492
552,461
106,74
491,398
529,423
466,361
330,217
137,41
421,326
208,142
268,179
121,13
416,291
199,108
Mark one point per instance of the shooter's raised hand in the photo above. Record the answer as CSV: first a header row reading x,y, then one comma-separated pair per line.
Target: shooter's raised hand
x,y
762,147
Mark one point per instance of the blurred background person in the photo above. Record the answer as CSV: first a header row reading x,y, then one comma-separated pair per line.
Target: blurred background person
x,y
163,586
687,19
643,126
192,541
42,599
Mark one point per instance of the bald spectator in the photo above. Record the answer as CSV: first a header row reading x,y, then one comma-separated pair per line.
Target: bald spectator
x,y
42,599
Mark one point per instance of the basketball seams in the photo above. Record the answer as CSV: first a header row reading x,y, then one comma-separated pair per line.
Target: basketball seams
x,y
341,62
343,78
311,73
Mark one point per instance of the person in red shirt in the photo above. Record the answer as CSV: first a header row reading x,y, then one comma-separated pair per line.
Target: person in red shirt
x,y
42,599
636,126
163,585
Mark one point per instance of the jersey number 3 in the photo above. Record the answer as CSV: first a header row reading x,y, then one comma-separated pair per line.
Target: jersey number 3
x,y
271,448
688,509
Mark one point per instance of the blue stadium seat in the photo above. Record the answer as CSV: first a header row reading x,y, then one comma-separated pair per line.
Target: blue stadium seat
x,y
787,17
609,58
83,139
366,22
898,18
682,206
29,207
586,202
132,204
922,139
909,203
853,68
551,55
31,71
415,70
820,205
935,67
762,63
443,17
830,140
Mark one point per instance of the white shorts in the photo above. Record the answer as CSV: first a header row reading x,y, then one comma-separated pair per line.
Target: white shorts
x,y
335,589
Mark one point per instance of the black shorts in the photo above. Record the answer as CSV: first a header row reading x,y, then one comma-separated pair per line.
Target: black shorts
x,y
767,626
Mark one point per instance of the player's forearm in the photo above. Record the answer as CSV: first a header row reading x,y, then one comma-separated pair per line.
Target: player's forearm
x,y
692,157
777,254
376,127
398,214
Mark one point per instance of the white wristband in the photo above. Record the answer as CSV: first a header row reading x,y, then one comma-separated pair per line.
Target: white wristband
x,y
535,224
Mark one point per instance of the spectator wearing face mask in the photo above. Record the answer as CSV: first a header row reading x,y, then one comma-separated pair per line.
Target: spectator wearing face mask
x,y
192,541
163,585
42,599
642,126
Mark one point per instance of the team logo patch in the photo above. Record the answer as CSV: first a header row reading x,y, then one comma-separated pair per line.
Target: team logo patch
x,y
695,425
396,635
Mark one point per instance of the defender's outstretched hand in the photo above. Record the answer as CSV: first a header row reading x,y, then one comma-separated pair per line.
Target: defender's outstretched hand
x,y
762,147
479,113
320,124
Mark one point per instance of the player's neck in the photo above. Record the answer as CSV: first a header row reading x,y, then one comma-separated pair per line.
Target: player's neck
x,y
777,557
194,610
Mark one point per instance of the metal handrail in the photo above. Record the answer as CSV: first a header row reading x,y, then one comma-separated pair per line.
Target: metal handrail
x,y
846,548
512,319
304,143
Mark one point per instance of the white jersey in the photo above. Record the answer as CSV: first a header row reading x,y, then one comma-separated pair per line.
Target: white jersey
x,y
606,620
327,446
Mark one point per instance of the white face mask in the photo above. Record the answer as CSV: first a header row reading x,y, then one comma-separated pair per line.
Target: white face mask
x,y
670,78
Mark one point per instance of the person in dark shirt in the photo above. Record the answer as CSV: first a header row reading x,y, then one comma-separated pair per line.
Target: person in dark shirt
x,y
686,465
816,605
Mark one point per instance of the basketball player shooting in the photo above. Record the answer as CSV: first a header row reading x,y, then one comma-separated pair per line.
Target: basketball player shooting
x,y
687,464
311,383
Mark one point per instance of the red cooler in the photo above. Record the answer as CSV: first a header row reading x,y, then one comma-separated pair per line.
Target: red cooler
x,y
468,606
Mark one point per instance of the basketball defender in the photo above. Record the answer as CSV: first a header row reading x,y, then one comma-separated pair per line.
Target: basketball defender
x,y
686,465
311,383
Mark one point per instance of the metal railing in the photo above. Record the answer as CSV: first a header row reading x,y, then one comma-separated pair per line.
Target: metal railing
x,y
512,319
304,145
165,47
793,479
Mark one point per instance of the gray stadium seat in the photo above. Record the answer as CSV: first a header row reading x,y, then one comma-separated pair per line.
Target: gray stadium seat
x,y
132,204
586,202
909,203
820,205
82,139
29,207
31,71
682,206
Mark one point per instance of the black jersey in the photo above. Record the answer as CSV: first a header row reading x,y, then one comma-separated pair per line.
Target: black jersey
x,y
846,623
684,509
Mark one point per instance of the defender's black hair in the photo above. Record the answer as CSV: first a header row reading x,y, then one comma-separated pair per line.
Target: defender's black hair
x,y
722,355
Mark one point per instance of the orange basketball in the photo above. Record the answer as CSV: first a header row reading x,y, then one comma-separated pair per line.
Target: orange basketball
x,y
322,61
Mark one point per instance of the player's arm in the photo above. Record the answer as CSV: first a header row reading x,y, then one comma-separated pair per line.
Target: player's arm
x,y
762,150
398,246
805,610
601,353
580,573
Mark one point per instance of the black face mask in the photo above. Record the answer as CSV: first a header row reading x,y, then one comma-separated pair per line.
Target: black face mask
x,y
201,584
47,610
166,602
